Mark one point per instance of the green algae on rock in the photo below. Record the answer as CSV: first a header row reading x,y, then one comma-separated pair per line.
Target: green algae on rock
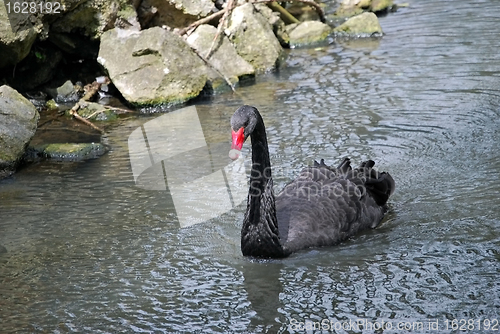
x,y
67,151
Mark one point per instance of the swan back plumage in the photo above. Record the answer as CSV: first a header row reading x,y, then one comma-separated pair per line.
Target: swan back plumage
x,y
324,206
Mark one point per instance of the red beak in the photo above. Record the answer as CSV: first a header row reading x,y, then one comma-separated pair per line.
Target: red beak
x,y
238,139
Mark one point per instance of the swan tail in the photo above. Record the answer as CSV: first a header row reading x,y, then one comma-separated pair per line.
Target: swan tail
x,y
380,185
367,164
345,166
321,163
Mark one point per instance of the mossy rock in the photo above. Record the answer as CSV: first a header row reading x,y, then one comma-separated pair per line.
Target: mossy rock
x,y
69,151
52,105
96,112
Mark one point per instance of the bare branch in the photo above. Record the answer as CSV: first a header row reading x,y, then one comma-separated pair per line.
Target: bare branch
x,y
204,20
227,11
311,3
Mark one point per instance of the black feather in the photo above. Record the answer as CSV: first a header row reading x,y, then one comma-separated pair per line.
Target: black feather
x,y
322,206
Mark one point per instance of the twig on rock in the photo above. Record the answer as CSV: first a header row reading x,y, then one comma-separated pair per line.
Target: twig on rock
x,y
287,17
231,4
91,89
74,112
225,13
121,110
216,70
311,3
215,15
204,20
93,114
115,109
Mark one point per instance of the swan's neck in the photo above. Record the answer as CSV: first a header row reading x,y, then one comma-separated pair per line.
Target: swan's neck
x,y
260,235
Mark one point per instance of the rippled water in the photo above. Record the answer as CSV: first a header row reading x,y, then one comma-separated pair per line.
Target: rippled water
x,y
89,251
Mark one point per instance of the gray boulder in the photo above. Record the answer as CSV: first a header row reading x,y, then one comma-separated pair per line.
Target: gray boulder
x,y
309,32
224,59
278,25
152,67
18,122
363,25
17,34
253,38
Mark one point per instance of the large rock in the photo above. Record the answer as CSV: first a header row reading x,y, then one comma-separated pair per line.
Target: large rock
x,y
253,38
17,34
363,25
151,67
274,19
309,32
18,121
224,59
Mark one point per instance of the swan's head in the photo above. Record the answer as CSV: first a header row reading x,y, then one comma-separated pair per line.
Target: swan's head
x,y
243,123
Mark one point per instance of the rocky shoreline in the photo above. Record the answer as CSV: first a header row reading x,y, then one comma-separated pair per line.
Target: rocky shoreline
x,y
154,53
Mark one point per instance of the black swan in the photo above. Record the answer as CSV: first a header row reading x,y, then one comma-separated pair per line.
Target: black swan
x,y
322,207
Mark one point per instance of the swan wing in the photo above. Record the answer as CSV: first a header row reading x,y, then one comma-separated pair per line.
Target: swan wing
x,y
326,205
